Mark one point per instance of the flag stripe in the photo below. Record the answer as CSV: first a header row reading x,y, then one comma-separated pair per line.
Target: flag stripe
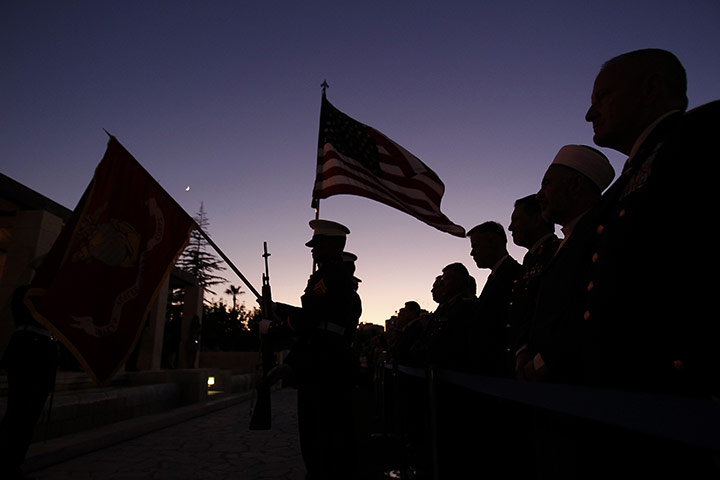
x,y
439,221
416,187
343,181
340,181
337,173
356,159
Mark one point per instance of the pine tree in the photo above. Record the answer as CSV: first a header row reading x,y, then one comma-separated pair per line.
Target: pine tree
x,y
198,260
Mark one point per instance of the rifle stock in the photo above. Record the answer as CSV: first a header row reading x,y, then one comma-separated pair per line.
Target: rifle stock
x,y
261,418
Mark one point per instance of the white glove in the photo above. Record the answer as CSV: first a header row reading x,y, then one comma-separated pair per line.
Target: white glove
x,y
265,326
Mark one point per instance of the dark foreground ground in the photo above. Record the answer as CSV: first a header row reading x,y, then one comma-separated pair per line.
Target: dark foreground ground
x,y
213,445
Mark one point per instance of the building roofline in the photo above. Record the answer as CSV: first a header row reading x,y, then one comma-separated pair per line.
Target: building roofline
x,y
28,199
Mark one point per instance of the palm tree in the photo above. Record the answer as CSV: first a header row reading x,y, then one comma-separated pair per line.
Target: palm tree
x,y
234,291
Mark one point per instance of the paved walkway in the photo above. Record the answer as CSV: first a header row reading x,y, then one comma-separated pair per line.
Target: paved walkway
x,y
215,445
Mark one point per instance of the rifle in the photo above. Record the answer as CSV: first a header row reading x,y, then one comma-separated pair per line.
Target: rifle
x,y
261,414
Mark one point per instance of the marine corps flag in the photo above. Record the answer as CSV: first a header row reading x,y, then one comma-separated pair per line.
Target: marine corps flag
x,y
356,159
95,287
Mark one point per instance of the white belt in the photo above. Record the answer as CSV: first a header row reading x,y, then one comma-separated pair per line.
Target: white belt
x,y
331,327
34,329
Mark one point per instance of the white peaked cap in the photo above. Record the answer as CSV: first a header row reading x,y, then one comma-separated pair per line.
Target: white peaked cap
x,y
327,228
588,161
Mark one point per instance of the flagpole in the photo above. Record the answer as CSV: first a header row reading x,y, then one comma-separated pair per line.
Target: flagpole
x,y
316,201
317,216
232,266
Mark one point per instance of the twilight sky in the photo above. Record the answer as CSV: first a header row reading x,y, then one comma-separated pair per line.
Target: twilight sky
x,y
224,97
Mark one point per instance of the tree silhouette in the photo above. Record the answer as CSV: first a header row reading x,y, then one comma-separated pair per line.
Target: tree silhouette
x,y
197,260
230,331
234,291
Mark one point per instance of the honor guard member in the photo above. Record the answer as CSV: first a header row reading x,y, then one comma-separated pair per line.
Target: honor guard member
x,y
322,357
31,360
349,260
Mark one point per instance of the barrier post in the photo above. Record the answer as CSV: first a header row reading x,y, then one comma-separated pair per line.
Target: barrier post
x,y
380,395
432,420
396,398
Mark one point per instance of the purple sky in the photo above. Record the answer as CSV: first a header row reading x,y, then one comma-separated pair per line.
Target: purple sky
x,y
224,96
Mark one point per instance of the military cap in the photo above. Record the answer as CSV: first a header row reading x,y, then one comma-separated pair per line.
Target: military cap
x,y
587,161
326,228
349,259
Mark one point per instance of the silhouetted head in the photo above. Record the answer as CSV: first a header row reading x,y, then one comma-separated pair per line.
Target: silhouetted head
x,y
488,244
410,311
633,90
527,224
455,281
328,240
573,183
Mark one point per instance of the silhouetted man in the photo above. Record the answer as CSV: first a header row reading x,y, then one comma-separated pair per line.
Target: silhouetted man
x,y
571,187
529,230
445,341
638,104
447,344
645,303
488,244
551,347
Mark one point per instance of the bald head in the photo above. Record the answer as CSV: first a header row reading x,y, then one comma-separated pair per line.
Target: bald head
x,y
640,64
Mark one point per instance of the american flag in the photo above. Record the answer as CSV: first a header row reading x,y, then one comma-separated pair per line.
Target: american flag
x,y
356,159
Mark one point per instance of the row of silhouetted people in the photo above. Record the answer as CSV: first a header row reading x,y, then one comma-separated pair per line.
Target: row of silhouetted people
x,y
620,301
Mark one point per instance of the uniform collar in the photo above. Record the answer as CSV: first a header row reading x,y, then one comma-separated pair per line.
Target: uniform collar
x,y
539,243
644,135
497,265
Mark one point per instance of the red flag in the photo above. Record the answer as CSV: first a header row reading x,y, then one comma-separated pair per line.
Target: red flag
x,y
356,159
96,285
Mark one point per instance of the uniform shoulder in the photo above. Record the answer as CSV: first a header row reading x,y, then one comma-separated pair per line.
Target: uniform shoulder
x,y
704,115
335,274
696,129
